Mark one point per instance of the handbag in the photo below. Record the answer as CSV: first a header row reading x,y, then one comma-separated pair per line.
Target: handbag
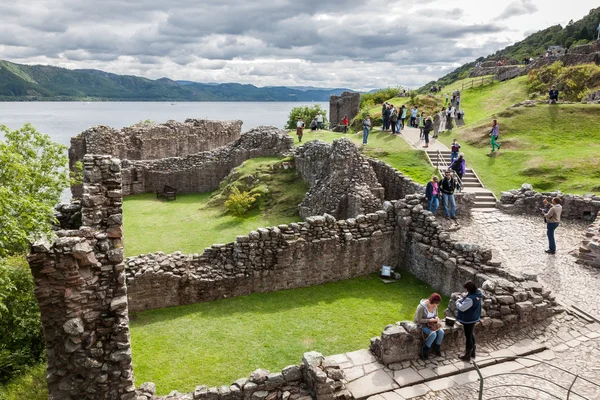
x,y
434,326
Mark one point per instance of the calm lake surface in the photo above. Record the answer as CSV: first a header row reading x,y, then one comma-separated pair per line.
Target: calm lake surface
x,y
63,120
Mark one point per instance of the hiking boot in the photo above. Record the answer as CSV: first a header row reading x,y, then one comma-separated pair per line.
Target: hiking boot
x,y
437,350
425,353
466,356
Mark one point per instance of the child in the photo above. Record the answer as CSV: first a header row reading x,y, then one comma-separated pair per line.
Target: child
x,y
299,129
455,149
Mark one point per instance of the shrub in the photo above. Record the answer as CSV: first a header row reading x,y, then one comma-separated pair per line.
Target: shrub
x,y
239,203
307,114
22,342
368,100
573,82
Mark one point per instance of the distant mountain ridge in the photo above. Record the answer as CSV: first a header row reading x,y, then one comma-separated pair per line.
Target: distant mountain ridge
x,y
20,82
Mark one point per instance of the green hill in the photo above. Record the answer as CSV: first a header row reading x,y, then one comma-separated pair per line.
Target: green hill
x,y
38,82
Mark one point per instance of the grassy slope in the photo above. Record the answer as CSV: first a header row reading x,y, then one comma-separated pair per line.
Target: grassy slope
x,y
393,150
217,342
551,147
31,385
190,224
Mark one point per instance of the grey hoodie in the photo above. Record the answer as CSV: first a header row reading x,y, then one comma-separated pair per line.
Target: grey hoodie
x,y
421,313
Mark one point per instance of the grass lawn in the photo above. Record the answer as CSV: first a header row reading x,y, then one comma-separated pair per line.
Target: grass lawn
x,y
31,385
551,147
392,150
196,221
218,342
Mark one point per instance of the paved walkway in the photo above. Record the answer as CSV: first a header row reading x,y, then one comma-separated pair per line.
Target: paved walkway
x,y
411,135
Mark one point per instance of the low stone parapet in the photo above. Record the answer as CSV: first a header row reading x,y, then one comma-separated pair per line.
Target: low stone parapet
x,y
588,252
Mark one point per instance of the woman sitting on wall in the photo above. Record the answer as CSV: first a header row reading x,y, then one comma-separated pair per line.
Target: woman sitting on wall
x,y
427,317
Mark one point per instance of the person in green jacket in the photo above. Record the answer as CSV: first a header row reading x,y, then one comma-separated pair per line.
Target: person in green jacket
x,y
421,123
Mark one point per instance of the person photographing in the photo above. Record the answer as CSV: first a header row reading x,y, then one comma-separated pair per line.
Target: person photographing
x,y
552,218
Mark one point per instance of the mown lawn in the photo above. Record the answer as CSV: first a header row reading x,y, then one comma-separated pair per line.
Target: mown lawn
x,y
551,147
196,221
391,149
31,385
218,342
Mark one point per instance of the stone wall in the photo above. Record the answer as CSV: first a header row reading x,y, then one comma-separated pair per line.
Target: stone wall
x,y
346,104
204,171
510,300
589,250
315,378
319,250
81,292
342,182
68,215
528,201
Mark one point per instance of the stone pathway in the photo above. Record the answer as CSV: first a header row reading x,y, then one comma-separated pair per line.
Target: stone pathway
x,y
412,136
449,378
519,243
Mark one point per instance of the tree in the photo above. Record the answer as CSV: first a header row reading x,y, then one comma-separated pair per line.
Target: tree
x,y
32,177
307,114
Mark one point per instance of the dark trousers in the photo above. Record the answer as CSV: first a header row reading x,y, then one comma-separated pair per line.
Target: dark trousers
x,y
393,126
468,328
412,121
550,228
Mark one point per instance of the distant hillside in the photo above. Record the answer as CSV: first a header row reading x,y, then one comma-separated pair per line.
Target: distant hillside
x,y
575,33
45,83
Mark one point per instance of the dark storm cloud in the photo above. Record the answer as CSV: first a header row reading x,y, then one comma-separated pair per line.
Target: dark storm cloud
x,y
517,8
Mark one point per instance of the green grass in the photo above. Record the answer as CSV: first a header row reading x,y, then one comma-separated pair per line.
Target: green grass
x,y
196,221
218,342
392,150
31,385
551,147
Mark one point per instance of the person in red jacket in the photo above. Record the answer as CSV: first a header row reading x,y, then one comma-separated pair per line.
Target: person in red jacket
x,y
345,123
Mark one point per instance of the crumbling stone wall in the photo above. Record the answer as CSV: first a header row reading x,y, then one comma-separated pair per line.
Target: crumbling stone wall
x,y
528,201
320,250
346,104
510,300
589,250
153,141
204,171
342,182
81,292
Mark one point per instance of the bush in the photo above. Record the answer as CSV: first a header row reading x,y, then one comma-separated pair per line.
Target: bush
x,y
239,203
30,385
369,100
307,114
22,342
573,82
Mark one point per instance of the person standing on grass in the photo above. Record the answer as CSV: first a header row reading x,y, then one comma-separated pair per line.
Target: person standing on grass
x,y
345,123
553,95
394,120
454,151
468,314
426,317
387,113
447,98
432,194
313,124
494,133
299,128
447,188
366,128
427,128
552,218
403,115
319,121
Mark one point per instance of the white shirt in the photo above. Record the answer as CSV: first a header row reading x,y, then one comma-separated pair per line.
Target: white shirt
x,y
319,118
300,124
451,112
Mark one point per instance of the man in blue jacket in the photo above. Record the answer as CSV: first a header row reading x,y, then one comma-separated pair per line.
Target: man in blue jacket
x,y
553,95
469,313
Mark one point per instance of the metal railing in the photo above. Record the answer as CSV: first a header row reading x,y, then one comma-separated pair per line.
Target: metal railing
x,y
568,389
442,165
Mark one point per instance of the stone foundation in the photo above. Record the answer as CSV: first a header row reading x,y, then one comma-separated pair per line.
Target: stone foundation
x,y
528,201
589,250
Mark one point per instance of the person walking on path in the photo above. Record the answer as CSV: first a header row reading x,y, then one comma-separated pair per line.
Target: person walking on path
x,y
494,133
299,129
459,166
454,151
552,220
468,314
345,123
366,128
450,118
426,317
436,124
421,124
394,120
447,188
432,194
427,128
319,121
403,115
447,97
443,116
413,116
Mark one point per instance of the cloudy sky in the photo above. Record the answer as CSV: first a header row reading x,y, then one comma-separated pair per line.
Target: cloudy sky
x,y
326,43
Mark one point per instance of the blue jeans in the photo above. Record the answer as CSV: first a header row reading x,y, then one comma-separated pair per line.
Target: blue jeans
x,y
365,135
449,198
433,204
319,125
550,228
433,336
398,125
453,156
